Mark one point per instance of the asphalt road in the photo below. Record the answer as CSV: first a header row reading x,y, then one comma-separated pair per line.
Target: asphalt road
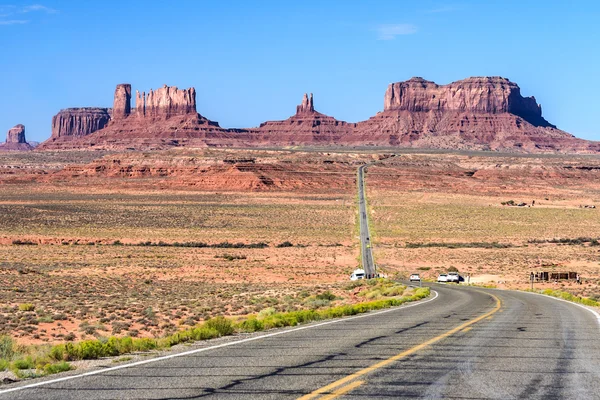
x,y
464,344
365,237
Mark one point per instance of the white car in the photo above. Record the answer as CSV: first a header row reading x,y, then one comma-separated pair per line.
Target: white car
x,y
442,278
415,278
357,274
453,277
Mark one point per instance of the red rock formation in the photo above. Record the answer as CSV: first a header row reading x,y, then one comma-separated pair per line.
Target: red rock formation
x,y
307,126
140,104
169,101
15,139
122,101
307,105
75,122
16,134
490,95
486,113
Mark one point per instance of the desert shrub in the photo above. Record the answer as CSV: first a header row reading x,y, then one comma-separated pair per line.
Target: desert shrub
x,y
325,296
149,313
26,307
90,349
57,367
144,344
7,347
220,324
4,364
285,244
230,257
23,243
23,363
205,333
313,304
251,324
266,312
452,269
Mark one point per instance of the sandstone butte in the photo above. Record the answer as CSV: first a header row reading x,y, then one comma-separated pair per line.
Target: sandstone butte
x,y
480,113
15,139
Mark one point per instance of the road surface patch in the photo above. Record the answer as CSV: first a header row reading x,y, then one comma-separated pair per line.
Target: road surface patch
x,y
329,389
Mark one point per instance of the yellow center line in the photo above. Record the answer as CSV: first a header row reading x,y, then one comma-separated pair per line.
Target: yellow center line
x,y
343,390
381,364
467,329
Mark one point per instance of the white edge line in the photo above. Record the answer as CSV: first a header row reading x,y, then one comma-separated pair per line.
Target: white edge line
x,y
570,302
187,353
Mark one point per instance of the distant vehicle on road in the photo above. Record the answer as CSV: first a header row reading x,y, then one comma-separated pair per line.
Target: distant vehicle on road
x,y
453,277
357,274
415,278
442,278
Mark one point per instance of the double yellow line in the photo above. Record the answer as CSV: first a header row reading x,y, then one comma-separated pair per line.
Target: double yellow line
x,y
337,388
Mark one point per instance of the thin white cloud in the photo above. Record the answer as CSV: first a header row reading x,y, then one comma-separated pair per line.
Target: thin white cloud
x,y
7,11
443,9
38,7
389,32
14,22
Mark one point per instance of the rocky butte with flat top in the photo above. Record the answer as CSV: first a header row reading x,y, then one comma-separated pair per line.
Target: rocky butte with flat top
x,y
479,113
15,140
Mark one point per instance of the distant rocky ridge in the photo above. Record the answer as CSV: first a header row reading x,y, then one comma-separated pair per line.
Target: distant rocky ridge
x,y
487,95
480,113
15,140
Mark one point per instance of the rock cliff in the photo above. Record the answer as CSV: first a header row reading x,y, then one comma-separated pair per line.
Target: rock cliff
x,y
122,101
15,139
16,134
76,122
492,95
166,102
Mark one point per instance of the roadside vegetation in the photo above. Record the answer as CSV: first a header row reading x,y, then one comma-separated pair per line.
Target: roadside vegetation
x,y
38,360
586,301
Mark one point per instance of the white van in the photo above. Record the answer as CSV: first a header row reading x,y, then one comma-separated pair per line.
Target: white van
x,y
357,274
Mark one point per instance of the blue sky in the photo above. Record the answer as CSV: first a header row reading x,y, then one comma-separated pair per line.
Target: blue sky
x,y
251,61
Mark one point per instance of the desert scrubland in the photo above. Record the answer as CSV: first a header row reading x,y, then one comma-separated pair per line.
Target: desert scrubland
x,y
145,244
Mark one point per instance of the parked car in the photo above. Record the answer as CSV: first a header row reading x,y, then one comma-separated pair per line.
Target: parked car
x,y
357,274
415,278
442,278
453,277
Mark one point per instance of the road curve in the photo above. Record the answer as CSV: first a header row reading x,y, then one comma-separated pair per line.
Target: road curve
x,y
464,344
365,237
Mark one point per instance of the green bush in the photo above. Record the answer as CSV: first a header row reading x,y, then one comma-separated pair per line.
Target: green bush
x,y
58,367
221,325
23,363
252,324
7,348
26,307
4,365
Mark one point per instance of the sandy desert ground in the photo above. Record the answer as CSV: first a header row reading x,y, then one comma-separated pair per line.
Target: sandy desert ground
x,y
95,244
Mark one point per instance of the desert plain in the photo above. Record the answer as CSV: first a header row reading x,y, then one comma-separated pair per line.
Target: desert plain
x,y
94,244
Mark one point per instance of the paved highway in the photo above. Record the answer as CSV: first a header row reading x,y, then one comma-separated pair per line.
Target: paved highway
x,y
462,343
365,237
